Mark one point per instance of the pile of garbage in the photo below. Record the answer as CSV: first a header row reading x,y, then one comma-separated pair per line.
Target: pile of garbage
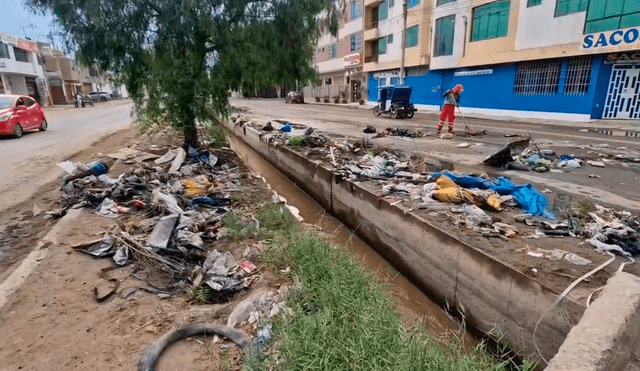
x,y
184,196
519,155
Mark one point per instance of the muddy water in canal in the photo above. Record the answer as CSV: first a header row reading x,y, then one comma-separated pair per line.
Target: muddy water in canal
x,y
413,304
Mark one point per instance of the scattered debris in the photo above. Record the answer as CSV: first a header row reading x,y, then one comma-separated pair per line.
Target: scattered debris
x,y
369,130
464,145
596,163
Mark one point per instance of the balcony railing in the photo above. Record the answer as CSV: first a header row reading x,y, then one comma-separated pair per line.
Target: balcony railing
x,y
371,59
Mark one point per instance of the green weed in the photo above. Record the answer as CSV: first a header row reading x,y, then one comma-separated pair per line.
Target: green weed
x,y
217,135
239,227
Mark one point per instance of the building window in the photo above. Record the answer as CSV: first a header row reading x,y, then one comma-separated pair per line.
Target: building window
x,y
537,78
412,3
391,3
390,38
4,51
440,2
578,76
328,81
354,10
334,51
382,45
354,43
490,21
383,11
531,3
564,7
394,81
608,15
445,27
21,54
412,37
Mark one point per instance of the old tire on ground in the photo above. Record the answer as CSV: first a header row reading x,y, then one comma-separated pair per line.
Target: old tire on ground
x,y
410,114
152,353
17,131
43,125
394,113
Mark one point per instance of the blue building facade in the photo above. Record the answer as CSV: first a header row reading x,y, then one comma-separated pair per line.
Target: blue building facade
x,y
555,88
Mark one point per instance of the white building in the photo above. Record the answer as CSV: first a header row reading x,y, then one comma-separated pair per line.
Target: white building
x,y
20,69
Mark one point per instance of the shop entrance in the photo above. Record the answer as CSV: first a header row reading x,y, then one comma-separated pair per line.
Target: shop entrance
x,y
623,95
356,90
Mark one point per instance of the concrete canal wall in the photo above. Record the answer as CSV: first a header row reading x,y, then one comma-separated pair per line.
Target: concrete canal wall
x,y
493,297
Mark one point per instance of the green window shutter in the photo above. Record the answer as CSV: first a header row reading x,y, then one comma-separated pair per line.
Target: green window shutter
x,y
440,2
596,10
531,3
631,20
607,15
602,25
412,37
564,7
383,11
490,21
613,8
382,45
445,28
631,6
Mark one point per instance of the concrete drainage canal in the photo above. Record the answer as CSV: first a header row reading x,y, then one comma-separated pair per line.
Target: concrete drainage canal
x,y
466,275
413,304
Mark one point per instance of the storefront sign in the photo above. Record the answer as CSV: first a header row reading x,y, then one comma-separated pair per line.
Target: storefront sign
x,y
473,73
352,60
621,58
23,44
624,37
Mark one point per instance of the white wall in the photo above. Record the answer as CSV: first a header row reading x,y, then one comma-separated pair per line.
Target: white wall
x,y
459,35
332,65
538,28
393,24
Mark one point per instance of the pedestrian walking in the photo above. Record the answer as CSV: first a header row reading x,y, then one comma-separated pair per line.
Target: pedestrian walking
x,y
451,101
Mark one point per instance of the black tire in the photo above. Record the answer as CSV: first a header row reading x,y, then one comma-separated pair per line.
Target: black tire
x,y
43,125
394,113
17,131
410,113
376,111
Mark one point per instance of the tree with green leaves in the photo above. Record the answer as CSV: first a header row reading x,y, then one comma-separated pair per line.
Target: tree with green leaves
x,y
179,59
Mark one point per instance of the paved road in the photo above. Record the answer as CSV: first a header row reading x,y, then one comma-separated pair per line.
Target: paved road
x,y
29,162
616,186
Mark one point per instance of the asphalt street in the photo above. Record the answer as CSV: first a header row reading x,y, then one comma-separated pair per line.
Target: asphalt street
x,y
29,162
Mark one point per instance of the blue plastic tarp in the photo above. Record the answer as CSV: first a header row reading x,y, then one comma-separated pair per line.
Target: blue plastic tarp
x,y
526,196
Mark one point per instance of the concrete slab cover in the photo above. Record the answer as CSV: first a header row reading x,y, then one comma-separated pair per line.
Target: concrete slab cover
x,y
608,333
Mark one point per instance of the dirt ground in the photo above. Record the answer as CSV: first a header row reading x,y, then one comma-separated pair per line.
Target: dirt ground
x,y
53,321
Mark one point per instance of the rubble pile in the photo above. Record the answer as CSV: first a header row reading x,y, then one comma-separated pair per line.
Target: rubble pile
x,y
183,196
520,155
469,201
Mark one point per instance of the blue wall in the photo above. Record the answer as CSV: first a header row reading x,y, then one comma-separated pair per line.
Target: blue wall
x,y
495,91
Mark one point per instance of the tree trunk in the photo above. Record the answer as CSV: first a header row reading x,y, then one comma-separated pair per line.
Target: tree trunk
x,y
189,131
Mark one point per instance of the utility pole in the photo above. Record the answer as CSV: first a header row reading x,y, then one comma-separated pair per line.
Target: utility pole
x,y
404,39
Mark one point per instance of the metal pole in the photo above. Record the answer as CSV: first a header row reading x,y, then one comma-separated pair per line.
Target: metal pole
x,y
404,39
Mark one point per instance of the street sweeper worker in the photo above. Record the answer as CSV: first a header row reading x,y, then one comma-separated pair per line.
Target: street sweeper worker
x,y
451,101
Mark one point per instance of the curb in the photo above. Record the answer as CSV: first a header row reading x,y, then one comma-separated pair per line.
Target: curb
x,y
615,133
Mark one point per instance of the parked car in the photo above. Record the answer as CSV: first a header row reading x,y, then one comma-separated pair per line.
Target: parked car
x,y
18,114
100,96
104,96
294,97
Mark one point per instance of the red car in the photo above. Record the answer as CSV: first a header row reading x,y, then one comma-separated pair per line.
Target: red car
x,y
19,113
